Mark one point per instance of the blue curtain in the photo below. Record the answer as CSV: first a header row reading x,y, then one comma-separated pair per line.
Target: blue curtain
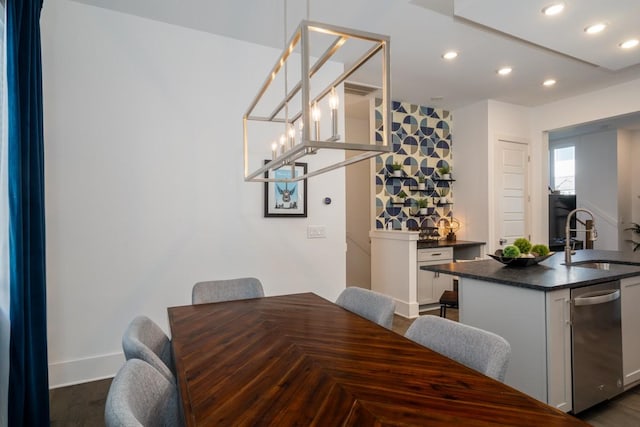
x,y
28,376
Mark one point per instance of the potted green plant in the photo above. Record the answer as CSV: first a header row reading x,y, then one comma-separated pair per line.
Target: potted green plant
x,y
445,172
422,206
442,199
421,184
402,196
397,169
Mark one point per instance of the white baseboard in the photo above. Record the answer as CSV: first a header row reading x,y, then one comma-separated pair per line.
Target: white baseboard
x,y
78,371
406,309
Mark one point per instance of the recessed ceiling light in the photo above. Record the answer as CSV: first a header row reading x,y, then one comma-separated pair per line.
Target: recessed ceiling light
x,y
505,71
595,28
549,82
553,9
450,54
629,44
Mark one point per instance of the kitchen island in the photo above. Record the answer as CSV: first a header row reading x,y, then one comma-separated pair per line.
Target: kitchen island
x,y
531,308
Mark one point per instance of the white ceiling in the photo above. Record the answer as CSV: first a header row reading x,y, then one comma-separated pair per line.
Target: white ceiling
x,y
564,32
488,35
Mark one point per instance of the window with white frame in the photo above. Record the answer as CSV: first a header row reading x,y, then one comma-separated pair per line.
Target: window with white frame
x,y
563,169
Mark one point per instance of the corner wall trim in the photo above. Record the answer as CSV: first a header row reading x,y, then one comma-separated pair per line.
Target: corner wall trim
x,y
62,374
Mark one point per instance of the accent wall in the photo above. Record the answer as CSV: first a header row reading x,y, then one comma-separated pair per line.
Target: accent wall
x,y
421,143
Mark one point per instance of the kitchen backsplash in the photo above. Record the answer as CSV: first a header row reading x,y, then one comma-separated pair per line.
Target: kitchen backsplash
x,y
421,140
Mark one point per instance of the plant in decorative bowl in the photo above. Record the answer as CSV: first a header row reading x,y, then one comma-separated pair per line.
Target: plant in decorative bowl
x,y
402,196
522,253
421,184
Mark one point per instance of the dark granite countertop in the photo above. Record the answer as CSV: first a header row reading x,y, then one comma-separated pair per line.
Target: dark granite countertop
x,y
551,274
428,244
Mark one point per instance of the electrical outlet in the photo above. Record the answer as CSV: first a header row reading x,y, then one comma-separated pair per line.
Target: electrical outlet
x,y
316,232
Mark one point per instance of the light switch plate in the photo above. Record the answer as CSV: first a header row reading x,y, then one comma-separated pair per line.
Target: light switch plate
x,y
316,232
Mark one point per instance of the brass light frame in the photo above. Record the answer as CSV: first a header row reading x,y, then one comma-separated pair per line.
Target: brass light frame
x,y
309,146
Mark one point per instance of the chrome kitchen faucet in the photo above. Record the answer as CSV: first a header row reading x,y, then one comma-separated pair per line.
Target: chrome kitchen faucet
x,y
568,230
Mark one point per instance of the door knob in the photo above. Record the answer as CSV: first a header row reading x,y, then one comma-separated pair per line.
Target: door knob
x,y
502,241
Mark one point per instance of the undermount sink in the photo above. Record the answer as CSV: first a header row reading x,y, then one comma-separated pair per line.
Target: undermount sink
x,y
602,265
594,265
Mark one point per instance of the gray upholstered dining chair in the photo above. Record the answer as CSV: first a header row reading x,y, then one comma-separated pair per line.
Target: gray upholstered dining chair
x,y
226,290
476,348
369,304
139,395
144,340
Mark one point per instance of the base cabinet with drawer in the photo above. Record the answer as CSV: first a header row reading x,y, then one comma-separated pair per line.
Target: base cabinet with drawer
x,y
431,285
396,259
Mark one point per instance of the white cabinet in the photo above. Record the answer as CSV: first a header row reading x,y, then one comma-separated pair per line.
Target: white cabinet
x,y
630,300
431,285
535,323
559,386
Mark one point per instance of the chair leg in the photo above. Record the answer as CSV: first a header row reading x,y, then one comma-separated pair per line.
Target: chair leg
x,y
443,310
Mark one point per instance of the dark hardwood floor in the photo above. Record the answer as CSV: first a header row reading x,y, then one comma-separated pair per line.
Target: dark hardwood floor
x,y
83,404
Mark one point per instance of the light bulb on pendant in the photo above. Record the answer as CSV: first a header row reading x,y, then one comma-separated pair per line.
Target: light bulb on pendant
x,y
282,141
315,115
274,150
334,102
292,136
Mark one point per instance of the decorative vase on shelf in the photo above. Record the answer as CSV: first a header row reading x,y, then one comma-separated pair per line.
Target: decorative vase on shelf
x,y
443,200
446,176
421,186
397,173
422,211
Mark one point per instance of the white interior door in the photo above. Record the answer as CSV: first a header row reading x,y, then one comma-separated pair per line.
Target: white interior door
x,y
511,191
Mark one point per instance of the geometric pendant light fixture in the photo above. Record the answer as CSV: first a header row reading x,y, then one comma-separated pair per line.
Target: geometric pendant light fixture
x,y
294,117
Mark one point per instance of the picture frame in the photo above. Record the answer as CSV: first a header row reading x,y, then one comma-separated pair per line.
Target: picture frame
x,y
285,199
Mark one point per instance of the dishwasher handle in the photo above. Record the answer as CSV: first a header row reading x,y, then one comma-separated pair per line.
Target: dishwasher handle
x,y
597,298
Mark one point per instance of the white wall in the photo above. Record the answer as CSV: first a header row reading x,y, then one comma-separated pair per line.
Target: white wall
x,y
470,153
512,123
477,124
358,213
601,183
601,104
635,181
597,184
477,129
144,182
625,166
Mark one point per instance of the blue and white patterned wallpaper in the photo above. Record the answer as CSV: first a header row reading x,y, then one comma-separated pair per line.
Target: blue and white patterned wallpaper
x,y
421,141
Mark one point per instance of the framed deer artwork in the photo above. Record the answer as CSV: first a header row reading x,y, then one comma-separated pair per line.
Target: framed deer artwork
x,y
286,199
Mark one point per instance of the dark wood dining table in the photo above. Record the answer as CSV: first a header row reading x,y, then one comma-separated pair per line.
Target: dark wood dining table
x,y
300,360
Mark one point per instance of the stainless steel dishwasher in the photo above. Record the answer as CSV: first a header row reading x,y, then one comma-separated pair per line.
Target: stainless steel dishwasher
x,y
596,344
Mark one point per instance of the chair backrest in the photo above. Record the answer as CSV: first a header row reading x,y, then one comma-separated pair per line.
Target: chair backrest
x,y
140,396
226,290
144,340
478,349
369,304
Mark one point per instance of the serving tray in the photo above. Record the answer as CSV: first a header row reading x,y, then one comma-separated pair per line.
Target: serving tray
x,y
519,262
